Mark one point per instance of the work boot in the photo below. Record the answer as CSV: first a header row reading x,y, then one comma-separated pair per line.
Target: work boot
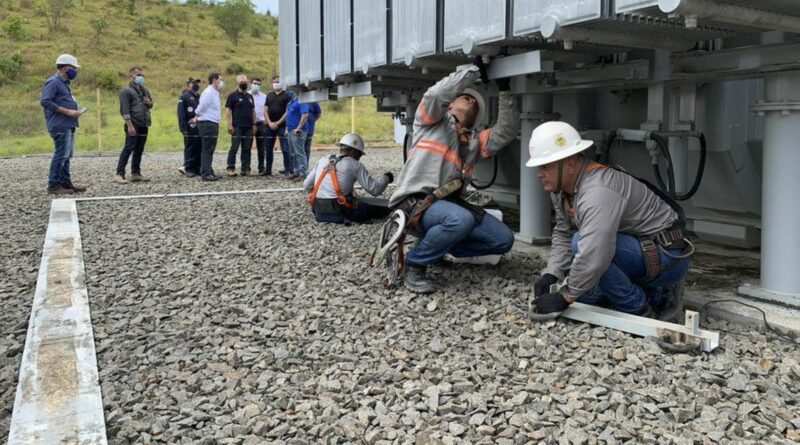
x,y
671,302
74,188
59,190
210,178
417,280
231,172
190,174
137,177
245,173
119,179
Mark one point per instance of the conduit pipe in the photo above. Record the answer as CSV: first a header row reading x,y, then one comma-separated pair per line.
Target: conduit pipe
x,y
552,29
734,15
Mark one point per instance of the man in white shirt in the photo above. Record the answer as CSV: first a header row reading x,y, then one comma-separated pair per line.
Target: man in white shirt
x,y
207,117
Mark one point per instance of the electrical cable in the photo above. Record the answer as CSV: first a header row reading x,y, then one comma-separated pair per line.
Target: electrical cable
x,y
491,181
662,144
778,334
701,165
405,147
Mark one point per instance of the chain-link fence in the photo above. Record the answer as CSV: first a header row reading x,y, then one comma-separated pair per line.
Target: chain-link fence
x,y
23,130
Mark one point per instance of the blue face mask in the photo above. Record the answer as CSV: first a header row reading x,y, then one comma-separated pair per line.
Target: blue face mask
x,y
256,88
71,74
138,80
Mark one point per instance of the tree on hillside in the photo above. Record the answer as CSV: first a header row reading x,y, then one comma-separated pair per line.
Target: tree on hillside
x,y
53,12
233,17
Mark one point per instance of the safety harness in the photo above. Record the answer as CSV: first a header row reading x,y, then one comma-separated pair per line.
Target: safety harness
x,y
341,198
673,237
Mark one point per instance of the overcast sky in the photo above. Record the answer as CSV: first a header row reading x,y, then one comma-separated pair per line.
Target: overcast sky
x,y
264,5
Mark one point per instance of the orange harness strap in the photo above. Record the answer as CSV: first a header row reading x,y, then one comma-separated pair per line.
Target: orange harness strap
x,y
340,197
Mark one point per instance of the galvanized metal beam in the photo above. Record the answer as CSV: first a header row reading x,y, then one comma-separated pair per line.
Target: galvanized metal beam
x,y
355,89
319,95
688,333
516,65
737,62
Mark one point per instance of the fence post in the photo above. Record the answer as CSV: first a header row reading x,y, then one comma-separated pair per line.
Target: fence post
x,y
352,114
99,125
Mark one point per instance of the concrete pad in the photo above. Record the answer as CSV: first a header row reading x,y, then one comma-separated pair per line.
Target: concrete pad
x,y
58,397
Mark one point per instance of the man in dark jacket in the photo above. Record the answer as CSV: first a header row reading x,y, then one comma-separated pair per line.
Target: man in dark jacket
x,y
192,145
134,106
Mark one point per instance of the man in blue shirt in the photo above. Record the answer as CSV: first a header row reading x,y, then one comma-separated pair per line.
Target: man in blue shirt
x,y
314,113
296,117
61,114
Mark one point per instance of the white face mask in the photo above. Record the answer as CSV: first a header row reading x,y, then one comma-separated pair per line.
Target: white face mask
x,y
220,85
276,86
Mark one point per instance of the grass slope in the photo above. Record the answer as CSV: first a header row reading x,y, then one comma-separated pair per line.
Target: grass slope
x,y
181,40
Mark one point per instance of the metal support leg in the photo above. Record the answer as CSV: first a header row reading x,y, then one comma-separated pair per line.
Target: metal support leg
x,y
780,212
534,202
683,120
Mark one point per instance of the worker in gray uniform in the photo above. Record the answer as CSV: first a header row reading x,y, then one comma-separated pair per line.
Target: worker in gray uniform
x,y
445,148
619,242
330,186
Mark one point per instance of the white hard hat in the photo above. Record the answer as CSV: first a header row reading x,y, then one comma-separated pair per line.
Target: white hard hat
x,y
554,141
352,140
67,59
481,104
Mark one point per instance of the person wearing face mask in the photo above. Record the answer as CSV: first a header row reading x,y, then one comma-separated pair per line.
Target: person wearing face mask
x,y
260,101
61,115
207,117
445,148
192,146
277,103
241,117
134,106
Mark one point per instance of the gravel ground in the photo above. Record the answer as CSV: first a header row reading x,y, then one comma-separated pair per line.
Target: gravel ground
x,y
273,331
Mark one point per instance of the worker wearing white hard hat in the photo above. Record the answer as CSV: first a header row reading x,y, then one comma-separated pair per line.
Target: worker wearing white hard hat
x,y
618,242
448,140
61,114
330,186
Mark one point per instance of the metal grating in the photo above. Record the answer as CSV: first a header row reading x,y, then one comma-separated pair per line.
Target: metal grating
x,y
338,47
529,14
413,29
467,23
310,44
369,34
786,7
288,40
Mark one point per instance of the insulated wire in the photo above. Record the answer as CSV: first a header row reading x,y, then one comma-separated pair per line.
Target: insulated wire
x,y
778,334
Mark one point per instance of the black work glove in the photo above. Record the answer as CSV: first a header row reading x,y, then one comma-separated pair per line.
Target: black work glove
x,y
482,68
503,84
542,285
390,176
549,303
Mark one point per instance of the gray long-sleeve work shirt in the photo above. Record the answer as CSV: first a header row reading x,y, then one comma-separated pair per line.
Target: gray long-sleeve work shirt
x,y
606,201
348,171
132,106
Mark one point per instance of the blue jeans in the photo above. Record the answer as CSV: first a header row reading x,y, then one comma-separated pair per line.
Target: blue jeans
x,y
271,136
618,288
368,209
298,146
64,140
450,228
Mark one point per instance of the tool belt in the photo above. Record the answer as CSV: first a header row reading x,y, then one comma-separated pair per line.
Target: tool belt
x,y
672,238
415,205
323,206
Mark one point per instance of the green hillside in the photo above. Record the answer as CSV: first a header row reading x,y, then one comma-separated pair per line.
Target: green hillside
x,y
170,41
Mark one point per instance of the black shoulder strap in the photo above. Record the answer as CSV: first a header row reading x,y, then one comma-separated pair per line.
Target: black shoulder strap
x,y
661,194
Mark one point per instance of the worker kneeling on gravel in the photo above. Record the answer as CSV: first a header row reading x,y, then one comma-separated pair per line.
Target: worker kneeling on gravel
x,y
445,147
331,183
618,240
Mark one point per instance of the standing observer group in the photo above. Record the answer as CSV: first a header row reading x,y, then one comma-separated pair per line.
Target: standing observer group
x,y
251,118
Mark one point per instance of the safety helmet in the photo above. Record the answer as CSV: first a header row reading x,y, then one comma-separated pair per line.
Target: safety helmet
x,y
481,104
67,59
352,140
554,141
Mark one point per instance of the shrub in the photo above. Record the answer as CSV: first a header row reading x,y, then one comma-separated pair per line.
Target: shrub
x,y
15,28
107,79
235,68
54,12
11,65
